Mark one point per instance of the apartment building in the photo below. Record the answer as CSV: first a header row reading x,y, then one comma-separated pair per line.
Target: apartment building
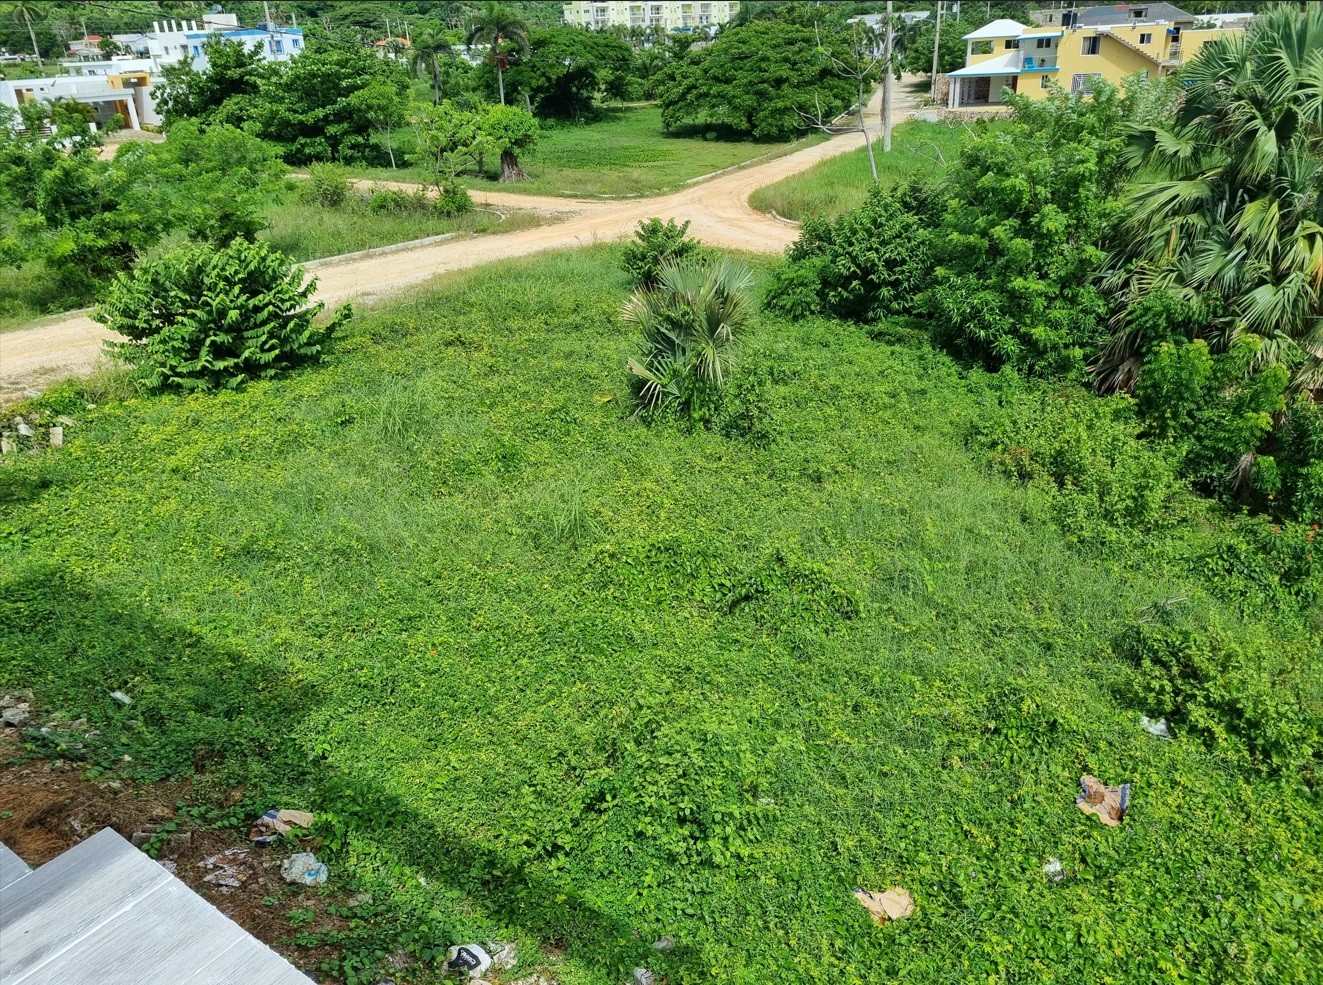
x,y
1078,46
683,16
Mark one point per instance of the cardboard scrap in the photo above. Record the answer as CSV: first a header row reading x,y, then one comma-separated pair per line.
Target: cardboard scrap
x,y
894,904
273,824
1107,804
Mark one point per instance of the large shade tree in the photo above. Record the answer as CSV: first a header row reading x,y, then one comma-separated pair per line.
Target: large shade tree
x,y
1226,219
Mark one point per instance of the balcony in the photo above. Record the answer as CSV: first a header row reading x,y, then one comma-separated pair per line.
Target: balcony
x,y
1038,63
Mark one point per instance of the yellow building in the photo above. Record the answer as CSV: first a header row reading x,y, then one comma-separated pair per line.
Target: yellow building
x,y
1096,42
669,15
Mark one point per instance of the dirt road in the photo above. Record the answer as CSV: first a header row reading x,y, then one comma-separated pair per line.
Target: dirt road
x,y
718,209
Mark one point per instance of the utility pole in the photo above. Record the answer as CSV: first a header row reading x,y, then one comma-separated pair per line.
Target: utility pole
x,y
937,48
886,85
266,10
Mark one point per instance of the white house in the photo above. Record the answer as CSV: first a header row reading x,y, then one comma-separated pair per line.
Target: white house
x,y
123,89
170,42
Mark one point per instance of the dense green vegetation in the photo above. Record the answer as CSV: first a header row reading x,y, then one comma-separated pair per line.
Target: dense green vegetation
x,y
596,680
841,183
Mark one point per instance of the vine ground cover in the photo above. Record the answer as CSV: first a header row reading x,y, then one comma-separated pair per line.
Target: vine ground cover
x,y
552,674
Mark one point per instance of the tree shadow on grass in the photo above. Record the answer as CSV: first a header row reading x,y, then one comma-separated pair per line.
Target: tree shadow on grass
x,y
202,709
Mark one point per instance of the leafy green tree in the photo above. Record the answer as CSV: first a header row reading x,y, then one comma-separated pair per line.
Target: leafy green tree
x,y
448,139
382,103
199,318
689,322
1229,203
566,69
504,32
214,181
508,131
227,91
917,48
751,79
311,107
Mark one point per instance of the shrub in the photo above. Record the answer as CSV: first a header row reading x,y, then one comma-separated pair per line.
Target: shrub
x,y
655,244
201,318
689,322
1086,451
327,184
1251,695
867,265
453,199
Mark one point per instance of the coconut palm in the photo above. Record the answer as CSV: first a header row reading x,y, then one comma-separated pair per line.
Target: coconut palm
x,y
689,322
496,26
26,14
1228,205
428,50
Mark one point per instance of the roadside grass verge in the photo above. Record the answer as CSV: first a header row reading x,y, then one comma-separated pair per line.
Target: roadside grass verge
x,y
29,292
552,674
839,184
309,232
625,153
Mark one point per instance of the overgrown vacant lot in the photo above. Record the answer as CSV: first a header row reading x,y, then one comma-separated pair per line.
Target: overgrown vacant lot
x,y
624,153
596,681
838,184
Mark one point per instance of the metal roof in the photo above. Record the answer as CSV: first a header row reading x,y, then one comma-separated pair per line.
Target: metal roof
x,y
1004,28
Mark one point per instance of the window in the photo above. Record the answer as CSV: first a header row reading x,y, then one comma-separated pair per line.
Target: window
x,y
1146,39
1138,13
197,51
1091,45
1043,43
280,47
1012,44
1042,81
1083,82
297,43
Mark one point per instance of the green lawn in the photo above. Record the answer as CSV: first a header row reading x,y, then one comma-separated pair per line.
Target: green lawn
x,y
841,183
551,674
625,153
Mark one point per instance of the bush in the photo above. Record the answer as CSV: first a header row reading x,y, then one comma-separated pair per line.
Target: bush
x,y
327,184
1086,452
201,318
869,264
451,200
689,322
656,244
1251,695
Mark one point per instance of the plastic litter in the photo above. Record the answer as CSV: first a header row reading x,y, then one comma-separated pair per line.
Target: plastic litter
x,y
642,976
304,870
468,957
229,869
121,697
275,823
895,904
1161,728
1107,804
1054,870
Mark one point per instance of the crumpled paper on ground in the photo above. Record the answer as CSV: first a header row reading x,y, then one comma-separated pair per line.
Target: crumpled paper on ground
x,y
894,904
273,824
1107,804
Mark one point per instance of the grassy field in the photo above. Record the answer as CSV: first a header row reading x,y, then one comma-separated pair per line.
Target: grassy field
x,y
625,153
27,293
551,674
841,183
309,232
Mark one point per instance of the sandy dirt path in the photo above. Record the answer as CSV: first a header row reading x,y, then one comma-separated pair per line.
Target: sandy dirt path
x,y
718,208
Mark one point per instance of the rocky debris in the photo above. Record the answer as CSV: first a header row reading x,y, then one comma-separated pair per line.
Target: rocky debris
x,y
642,976
25,429
663,943
121,697
167,864
504,956
535,980
57,437
15,716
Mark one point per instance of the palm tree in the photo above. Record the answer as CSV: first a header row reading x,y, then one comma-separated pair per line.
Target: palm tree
x,y
26,13
1228,206
495,26
429,47
689,322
